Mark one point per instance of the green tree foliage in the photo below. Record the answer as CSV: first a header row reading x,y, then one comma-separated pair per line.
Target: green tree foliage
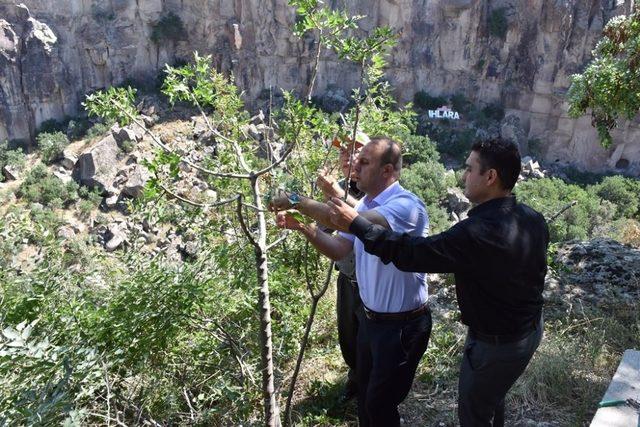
x,y
498,24
550,195
623,192
610,85
51,145
429,180
168,28
424,100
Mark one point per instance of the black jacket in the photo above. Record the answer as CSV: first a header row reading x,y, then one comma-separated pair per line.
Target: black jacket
x,y
498,255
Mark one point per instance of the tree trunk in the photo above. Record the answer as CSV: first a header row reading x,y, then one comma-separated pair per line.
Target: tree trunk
x,y
271,410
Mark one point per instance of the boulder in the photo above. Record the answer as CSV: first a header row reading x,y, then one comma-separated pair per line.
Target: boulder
x,y
114,237
457,202
69,159
97,167
600,271
11,173
134,186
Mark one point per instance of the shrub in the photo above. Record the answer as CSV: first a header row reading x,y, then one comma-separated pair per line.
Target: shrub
x,y
456,144
168,28
51,145
498,24
428,180
494,111
53,125
77,128
425,101
15,158
40,186
418,149
550,195
460,103
623,192
98,130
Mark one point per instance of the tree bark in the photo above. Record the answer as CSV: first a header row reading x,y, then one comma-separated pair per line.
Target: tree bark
x,y
271,409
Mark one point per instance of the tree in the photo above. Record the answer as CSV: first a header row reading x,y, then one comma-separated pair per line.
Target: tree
x,y
610,85
242,171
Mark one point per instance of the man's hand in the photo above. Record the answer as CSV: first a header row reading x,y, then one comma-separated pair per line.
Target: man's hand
x,y
280,201
327,184
287,220
341,214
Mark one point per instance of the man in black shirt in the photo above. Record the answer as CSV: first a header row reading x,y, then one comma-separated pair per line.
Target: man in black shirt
x,y
498,256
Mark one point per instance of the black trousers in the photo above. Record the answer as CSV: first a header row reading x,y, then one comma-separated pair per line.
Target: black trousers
x,y
388,356
487,373
347,305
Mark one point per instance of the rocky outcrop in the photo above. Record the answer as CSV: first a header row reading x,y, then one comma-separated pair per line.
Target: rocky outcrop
x,y
600,271
97,166
57,50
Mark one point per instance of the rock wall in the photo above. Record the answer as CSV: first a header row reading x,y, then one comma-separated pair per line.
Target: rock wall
x,y
52,52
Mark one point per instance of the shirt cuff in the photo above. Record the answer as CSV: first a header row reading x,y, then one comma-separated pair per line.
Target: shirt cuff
x,y
359,226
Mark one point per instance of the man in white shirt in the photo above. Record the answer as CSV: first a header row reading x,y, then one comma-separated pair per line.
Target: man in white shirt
x,y
395,323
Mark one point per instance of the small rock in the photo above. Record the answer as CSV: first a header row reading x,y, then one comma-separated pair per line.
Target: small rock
x,y
112,201
66,232
11,173
114,243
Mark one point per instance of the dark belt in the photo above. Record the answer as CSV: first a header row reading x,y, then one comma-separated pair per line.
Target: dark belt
x,y
403,315
506,338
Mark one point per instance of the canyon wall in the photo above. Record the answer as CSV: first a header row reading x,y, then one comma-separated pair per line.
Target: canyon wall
x,y
52,52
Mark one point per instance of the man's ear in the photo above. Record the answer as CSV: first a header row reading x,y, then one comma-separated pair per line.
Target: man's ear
x,y
388,169
492,177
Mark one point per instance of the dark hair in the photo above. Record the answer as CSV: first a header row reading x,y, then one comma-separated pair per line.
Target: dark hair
x,y
392,153
501,155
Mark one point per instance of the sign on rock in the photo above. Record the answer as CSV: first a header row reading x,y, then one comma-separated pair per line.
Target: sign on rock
x,y
444,112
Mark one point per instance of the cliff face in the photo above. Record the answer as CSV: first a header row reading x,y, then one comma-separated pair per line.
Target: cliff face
x,y
52,52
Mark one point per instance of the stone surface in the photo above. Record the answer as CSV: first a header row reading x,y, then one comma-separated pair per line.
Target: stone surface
x,y
98,165
624,385
55,51
134,186
600,271
11,173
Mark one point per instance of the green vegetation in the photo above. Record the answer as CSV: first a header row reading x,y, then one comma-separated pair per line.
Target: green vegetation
x,y
550,195
168,28
40,186
51,145
423,100
15,158
610,85
498,24
134,337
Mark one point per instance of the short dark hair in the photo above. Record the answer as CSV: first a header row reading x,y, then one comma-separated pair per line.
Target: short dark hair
x,y
392,153
501,155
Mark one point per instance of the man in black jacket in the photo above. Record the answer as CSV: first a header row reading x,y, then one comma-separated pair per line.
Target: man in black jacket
x,y
498,256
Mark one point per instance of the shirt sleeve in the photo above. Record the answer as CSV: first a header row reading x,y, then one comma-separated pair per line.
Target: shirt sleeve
x,y
405,215
447,252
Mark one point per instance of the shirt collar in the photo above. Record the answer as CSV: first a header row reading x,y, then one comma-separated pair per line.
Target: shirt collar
x,y
508,202
382,198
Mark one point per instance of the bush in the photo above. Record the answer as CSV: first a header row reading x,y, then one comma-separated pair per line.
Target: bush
x,y
53,125
498,24
418,149
550,195
455,144
77,128
460,103
51,145
494,112
168,28
98,130
42,187
425,101
15,158
623,192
